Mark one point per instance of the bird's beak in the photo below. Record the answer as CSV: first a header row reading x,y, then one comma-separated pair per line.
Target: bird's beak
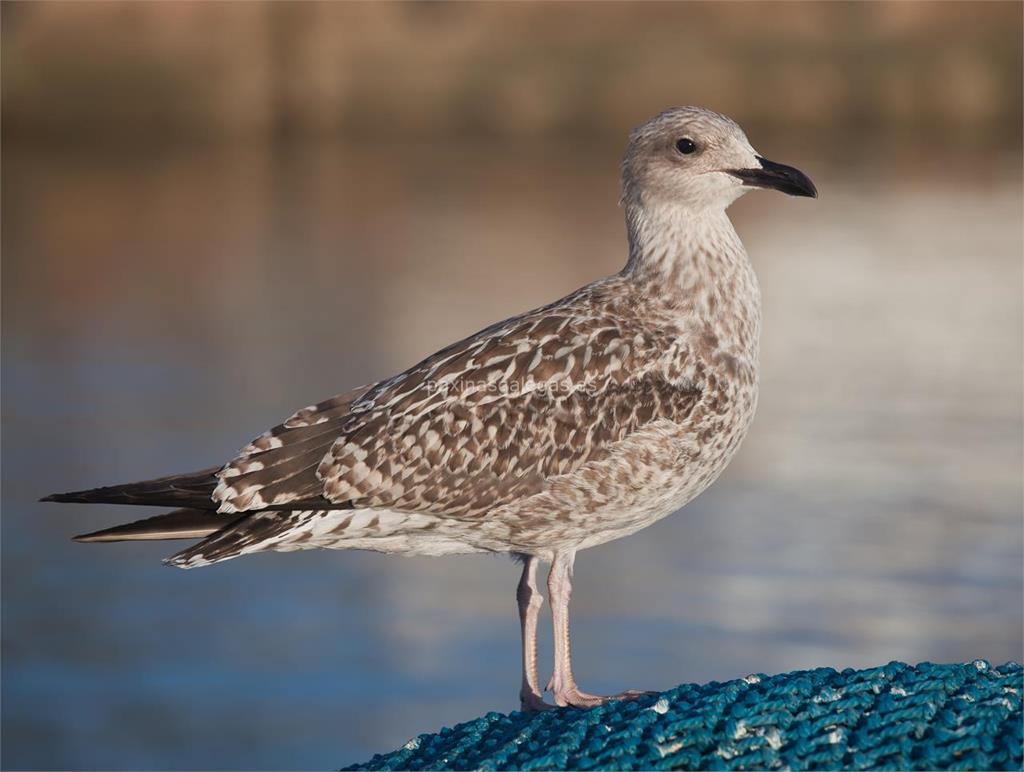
x,y
790,181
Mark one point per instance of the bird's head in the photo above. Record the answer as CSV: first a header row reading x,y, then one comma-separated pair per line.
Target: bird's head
x,y
697,159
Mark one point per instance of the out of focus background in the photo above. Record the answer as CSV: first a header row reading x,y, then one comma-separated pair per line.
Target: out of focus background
x,y
215,213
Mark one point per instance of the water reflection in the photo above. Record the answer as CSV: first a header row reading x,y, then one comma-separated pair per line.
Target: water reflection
x,y
158,311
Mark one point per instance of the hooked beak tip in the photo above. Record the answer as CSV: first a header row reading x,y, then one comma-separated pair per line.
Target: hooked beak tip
x,y
775,176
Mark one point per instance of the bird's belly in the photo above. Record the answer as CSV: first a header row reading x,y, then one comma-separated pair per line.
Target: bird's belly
x,y
647,477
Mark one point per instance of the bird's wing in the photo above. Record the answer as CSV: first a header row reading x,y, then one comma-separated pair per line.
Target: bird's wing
x,y
191,490
278,468
483,422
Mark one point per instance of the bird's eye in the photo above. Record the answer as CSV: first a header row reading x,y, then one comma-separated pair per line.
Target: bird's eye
x,y
686,146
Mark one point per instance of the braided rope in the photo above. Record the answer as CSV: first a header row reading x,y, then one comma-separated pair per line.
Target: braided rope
x,y
892,717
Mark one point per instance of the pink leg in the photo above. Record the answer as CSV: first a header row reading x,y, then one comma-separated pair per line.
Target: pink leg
x,y
530,600
563,683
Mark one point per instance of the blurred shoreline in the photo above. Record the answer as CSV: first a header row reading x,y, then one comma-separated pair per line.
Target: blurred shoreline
x,y
170,72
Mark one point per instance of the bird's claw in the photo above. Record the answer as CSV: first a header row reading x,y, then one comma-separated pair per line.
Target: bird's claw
x,y
531,702
573,697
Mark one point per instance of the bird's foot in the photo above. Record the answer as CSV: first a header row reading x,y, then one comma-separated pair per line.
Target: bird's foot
x,y
573,697
532,702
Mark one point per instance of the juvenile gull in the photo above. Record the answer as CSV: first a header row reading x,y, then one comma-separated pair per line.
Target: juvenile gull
x,y
556,430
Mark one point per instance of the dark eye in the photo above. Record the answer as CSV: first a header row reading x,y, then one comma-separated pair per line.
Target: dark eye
x,y
686,146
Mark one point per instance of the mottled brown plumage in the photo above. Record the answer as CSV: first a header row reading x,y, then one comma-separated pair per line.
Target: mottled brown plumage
x,y
564,427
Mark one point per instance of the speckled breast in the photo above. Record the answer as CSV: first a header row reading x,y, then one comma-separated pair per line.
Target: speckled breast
x,y
645,477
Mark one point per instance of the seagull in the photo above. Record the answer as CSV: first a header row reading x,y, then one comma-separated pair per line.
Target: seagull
x,y
559,429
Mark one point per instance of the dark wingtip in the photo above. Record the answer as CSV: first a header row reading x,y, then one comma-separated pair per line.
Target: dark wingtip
x,y
179,524
65,498
107,534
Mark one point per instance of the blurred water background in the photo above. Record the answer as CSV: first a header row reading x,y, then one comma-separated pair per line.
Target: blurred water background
x,y
217,213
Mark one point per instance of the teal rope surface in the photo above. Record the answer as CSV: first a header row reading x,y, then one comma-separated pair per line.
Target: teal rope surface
x,y
892,717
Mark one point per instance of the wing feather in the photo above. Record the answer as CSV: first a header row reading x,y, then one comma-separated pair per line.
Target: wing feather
x,y
498,416
278,468
483,422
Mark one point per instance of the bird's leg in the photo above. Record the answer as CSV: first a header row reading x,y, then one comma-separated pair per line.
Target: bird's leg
x,y
530,600
563,684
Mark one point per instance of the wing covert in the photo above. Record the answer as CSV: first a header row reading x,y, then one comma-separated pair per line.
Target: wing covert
x,y
279,467
483,422
493,419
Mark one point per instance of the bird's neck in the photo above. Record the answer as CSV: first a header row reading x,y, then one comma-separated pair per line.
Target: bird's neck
x,y
695,263
673,244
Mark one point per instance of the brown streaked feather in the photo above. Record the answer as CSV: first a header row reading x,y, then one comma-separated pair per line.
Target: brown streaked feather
x,y
519,447
278,468
483,422
247,530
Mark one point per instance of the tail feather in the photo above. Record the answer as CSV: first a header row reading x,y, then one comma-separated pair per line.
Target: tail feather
x,y
253,532
193,490
179,524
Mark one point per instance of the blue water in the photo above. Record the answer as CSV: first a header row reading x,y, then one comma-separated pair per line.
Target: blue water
x,y
158,314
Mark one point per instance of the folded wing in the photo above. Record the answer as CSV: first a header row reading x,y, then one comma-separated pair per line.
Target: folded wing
x,y
488,420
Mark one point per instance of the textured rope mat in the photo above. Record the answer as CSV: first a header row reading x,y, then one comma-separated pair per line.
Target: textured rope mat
x,y
892,717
